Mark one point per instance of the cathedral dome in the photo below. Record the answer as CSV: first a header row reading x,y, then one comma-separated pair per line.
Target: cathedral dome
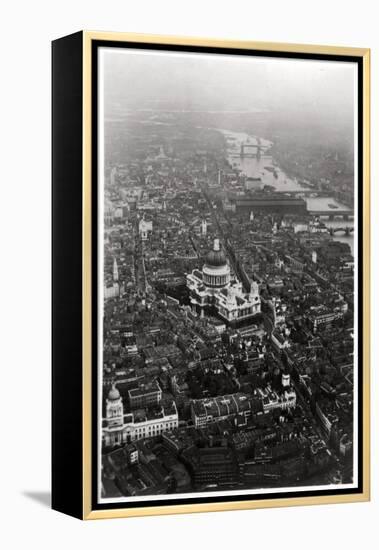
x,y
216,257
216,270
114,394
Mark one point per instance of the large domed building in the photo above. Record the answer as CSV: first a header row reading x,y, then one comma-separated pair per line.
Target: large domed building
x,y
213,289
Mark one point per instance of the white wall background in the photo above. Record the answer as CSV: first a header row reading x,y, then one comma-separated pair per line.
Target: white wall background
x,y
26,31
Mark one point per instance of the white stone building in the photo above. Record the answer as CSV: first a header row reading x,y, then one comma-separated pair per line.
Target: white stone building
x,y
119,428
145,228
213,288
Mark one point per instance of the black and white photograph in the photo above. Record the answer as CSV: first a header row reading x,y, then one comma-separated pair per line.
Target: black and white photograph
x,y
189,220
228,275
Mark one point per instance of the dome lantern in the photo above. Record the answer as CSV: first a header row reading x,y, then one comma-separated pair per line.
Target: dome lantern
x,y
216,257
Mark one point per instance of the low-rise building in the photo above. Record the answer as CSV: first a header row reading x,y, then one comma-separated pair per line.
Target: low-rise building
x,y
119,428
206,411
212,466
146,395
272,400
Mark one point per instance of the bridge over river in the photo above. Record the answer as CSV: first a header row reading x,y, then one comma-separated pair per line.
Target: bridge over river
x,y
346,230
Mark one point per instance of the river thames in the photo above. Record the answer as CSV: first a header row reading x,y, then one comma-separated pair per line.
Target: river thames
x,y
270,173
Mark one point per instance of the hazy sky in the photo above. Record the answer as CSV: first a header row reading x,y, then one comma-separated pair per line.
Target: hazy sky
x,y
193,81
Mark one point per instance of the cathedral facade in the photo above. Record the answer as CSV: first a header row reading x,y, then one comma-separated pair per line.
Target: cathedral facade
x,y
214,289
